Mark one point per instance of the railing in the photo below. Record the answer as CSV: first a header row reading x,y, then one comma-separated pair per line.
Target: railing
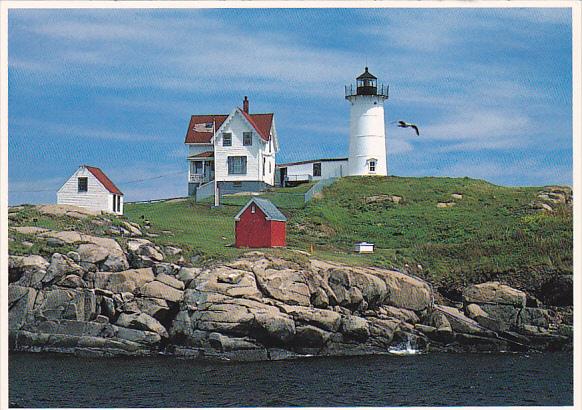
x,y
318,188
381,91
199,178
298,177
204,191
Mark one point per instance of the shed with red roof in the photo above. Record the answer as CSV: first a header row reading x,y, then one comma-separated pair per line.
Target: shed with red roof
x,y
90,188
259,224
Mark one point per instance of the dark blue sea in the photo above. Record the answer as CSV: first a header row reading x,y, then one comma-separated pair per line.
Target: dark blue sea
x,y
435,379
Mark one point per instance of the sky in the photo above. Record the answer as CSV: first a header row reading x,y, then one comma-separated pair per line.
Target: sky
x,y
490,89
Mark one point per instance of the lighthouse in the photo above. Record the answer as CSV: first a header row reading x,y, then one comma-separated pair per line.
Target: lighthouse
x,y
367,154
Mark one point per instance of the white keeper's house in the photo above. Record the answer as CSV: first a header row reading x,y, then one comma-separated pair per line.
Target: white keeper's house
x,y
236,150
90,188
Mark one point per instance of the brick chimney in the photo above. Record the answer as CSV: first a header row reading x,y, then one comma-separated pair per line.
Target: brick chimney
x,y
246,105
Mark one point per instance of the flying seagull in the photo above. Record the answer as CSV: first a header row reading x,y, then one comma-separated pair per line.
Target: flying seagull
x,y
403,124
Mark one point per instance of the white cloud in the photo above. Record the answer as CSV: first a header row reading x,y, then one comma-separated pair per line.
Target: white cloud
x,y
77,131
475,129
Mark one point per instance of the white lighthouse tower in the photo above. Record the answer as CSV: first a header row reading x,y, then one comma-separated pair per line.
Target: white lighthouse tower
x,y
367,132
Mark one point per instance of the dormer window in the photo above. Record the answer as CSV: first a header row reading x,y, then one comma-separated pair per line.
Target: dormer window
x,y
82,184
226,139
247,138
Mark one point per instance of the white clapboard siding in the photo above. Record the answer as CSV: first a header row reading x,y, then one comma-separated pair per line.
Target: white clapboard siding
x,y
329,169
236,124
97,197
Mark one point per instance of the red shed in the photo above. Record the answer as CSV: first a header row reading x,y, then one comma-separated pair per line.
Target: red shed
x,y
259,224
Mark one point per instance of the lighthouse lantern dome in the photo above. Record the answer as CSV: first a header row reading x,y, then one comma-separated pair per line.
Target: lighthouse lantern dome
x,y
366,83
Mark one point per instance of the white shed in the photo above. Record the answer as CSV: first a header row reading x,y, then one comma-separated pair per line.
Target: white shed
x,y
364,247
90,188
293,173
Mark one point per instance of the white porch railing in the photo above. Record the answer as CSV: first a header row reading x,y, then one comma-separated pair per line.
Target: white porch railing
x,y
199,178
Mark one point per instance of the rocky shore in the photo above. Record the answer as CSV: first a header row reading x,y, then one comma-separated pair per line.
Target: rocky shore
x,y
122,296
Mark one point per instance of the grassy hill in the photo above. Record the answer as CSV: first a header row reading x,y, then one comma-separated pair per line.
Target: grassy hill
x,y
484,232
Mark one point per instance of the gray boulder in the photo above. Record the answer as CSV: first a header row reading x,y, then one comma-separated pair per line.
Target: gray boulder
x,y
27,271
406,292
286,285
72,281
322,318
125,281
20,305
170,281
160,290
494,293
355,327
141,321
59,303
310,336
60,267
91,253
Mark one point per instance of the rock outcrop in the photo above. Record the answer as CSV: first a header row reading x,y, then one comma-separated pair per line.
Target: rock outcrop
x,y
106,297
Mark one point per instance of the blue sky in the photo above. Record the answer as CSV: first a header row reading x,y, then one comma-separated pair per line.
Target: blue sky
x,y
491,90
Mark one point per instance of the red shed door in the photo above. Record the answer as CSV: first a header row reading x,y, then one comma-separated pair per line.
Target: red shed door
x,y
253,230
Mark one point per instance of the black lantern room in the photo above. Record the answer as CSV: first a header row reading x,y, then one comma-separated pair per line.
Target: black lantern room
x,y
366,84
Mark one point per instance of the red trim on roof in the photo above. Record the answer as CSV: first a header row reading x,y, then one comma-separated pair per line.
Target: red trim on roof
x,y
262,123
105,181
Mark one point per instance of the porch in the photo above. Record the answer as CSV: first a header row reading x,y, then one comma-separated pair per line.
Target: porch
x,y
201,168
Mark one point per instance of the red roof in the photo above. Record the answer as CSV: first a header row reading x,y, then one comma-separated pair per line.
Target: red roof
x,y
205,154
262,123
105,181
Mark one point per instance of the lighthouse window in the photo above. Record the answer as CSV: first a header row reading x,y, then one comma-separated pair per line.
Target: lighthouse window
x,y
372,166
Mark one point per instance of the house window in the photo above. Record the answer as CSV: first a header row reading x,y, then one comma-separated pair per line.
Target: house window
x,y
226,139
317,169
197,167
237,165
270,169
247,138
372,166
253,209
264,166
82,184
118,203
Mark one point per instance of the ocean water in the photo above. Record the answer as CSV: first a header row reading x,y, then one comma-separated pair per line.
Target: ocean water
x,y
435,379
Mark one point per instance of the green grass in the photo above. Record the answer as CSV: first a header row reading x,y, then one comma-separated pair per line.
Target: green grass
x,y
198,228
284,198
492,231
